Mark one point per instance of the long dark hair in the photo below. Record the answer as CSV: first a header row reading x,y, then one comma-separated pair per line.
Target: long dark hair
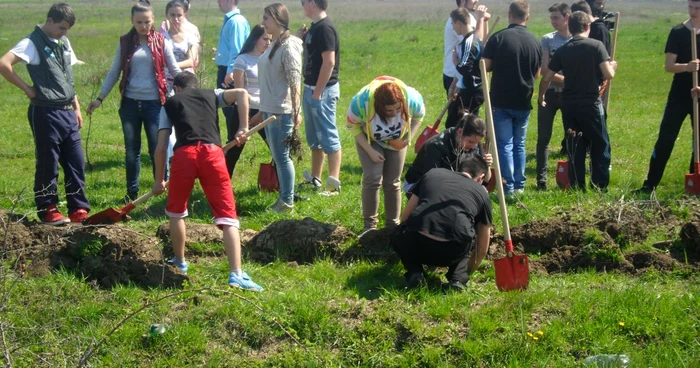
x,y
280,15
174,3
255,34
141,7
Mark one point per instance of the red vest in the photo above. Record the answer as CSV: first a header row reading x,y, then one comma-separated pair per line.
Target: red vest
x,y
156,43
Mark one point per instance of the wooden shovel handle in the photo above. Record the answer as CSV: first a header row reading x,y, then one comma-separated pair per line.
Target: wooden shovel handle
x,y
491,28
250,132
613,47
146,196
494,153
694,50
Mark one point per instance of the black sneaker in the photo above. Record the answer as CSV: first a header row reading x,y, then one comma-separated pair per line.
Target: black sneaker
x,y
130,197
454,286
645,189
415,280
542,186
299,198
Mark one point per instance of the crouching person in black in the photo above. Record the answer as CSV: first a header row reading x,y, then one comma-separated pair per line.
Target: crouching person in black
x,y
448,213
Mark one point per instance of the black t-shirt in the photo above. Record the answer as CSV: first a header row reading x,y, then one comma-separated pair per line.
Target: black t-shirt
x,y
579,60
679,43
194,115
321,37
468,65
439,151
449,206
516,57
600,32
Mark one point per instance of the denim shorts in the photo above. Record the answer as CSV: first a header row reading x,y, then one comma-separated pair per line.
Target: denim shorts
x,y
319,119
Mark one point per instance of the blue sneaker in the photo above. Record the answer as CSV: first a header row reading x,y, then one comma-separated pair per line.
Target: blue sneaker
x,y
182,266
243,282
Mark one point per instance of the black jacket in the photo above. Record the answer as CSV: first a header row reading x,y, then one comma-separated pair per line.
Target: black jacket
x,y
438,151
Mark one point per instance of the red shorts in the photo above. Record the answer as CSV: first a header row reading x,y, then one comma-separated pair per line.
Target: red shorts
x,y
204,162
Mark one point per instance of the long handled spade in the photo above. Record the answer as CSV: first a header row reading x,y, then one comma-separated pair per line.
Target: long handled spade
x,y
613,47
692,181
430,131
111,215
512,271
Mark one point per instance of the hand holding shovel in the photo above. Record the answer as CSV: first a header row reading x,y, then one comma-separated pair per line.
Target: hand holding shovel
x,y
244,136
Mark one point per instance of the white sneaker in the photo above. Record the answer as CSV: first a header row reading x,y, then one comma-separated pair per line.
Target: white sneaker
x,y
332,186
281,207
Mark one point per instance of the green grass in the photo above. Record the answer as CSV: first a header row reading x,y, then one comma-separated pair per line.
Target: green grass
x,y
355,314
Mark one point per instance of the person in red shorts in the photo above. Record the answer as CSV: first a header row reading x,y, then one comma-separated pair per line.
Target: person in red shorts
x,y
193,112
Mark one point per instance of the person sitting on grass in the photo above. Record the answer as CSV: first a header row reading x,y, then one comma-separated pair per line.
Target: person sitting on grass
x,y
444,149
447,214
193,113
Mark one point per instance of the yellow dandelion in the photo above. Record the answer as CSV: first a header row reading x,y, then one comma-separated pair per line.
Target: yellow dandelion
x,y
540,333
535,338
529,334
622,324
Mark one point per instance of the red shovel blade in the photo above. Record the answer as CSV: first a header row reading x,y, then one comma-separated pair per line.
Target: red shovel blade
x,y
109,216
424,136
512,273
563,174
692,183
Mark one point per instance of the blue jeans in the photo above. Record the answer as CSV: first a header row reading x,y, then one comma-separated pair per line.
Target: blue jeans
x,y
134,114
277,133
511,129
319,119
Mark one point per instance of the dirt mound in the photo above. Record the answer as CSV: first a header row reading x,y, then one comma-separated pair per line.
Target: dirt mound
x,y
374,245
107,255
690,236
196,233
643,260
297,241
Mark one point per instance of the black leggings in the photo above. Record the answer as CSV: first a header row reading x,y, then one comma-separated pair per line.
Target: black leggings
x,y
234,153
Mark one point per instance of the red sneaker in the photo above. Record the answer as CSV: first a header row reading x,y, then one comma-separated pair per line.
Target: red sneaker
x,y
53,217
78,215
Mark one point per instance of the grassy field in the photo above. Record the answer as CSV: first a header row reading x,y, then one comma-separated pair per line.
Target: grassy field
x,y
353,313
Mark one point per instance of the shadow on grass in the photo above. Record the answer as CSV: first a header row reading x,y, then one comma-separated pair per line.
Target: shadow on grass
x,y
101,165
372,283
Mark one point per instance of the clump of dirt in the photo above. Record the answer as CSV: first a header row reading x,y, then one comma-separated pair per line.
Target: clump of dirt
x,y
373,245
643,260
570,258
690,236
543,235
105,255
299,241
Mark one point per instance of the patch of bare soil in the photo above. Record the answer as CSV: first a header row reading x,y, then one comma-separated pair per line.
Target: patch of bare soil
x,y
300,241
105,255
571,243
374,245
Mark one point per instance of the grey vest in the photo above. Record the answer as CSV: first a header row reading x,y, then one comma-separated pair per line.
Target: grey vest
x,y
53,77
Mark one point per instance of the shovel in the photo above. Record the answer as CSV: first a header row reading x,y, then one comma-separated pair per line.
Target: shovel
x,y
512,271
430,131
612,58
112,216
250,132
692,181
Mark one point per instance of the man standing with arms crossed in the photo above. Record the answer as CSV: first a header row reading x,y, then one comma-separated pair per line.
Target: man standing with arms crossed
x,y
559,14
321,94
234,32
54,114
680,102
585,64
515,56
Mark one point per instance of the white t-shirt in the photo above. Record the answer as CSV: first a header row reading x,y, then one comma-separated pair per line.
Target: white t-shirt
x,y
451,40
26,50
180,49
249,65
382,131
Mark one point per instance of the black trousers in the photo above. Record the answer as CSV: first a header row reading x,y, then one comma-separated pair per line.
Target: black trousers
x,y
232,125
674,115
588,121
466,100
545,123
57,141
416,250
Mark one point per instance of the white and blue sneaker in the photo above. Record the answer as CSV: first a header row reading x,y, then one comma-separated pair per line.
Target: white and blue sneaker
x,y
182,266
243,282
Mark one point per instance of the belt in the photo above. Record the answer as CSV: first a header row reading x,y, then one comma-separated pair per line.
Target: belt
x,y
64,107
